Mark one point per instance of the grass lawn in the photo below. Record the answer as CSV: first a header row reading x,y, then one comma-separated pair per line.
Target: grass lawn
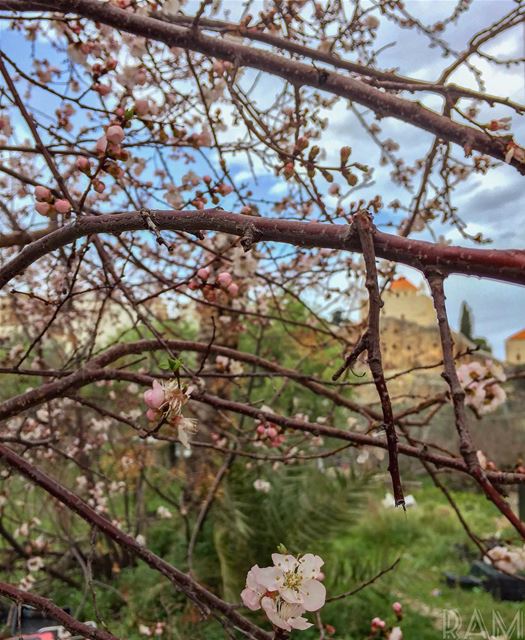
x,y
430,540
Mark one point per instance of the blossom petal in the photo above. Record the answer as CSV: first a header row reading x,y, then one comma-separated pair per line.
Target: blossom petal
x,y
270,608
251,599
310,566
292,596
286,563
300,623
314,595
268,577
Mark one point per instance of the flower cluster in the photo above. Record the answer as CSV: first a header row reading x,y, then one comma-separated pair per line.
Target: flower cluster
x,y
165,401
48,205
222,281
380,629
269,434
480,382
109,150
286,590
507,559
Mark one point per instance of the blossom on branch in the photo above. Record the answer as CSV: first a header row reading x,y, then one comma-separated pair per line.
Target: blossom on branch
x,y
286,590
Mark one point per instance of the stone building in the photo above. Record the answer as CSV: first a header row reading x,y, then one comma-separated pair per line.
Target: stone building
x,y
515,348
409,330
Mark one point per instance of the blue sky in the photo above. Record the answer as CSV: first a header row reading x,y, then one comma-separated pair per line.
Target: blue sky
x,y
493,204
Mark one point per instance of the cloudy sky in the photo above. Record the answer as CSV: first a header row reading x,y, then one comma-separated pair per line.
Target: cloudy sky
x,y
493,204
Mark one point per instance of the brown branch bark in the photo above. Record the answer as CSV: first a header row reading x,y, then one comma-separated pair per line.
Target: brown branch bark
x,y
365,230
508,266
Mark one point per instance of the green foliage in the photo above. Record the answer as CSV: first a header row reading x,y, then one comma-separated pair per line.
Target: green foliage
x,y
305,510
466,323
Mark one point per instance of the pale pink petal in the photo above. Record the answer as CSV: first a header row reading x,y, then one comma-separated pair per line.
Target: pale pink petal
x,y
285,563
300,623
251,599
269,577
314,595
310,566
291,595
270,608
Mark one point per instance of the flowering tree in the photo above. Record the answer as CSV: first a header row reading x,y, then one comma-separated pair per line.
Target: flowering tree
x,y
174,190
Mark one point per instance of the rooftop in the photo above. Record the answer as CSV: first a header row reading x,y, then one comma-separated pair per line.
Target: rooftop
x,y
402,284
518,336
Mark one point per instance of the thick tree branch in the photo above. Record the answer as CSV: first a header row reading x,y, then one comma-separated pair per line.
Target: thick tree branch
x,y
508,266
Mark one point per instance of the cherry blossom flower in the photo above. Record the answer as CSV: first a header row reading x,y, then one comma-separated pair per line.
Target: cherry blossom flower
x,y
156,396
286,590
62,206
115,134
42,193
395,634
262,485
377,623
285,615
166,400
296,580
508,559
164,513
480,383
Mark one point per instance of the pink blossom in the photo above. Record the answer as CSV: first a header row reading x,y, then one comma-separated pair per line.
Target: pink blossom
x,y
42,193
83,164
224,279
156,396
99,186
397,608
203,273
271,432
285,615
102,145
152,415
233,290
115,134
43,208
102,89
377,623
62,206
141,107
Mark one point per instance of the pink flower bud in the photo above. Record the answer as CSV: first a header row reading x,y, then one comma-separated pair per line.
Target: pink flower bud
x,y
42,193
271,432
99,186
377,623
83,164
115,134
203,273
193,285
141,107
233,290
102,145
224,279
152,415
43,208
261,430
397,607
155,397
101,89
62,206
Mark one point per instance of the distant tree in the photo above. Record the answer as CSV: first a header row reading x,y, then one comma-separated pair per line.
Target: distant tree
x,y
466,322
